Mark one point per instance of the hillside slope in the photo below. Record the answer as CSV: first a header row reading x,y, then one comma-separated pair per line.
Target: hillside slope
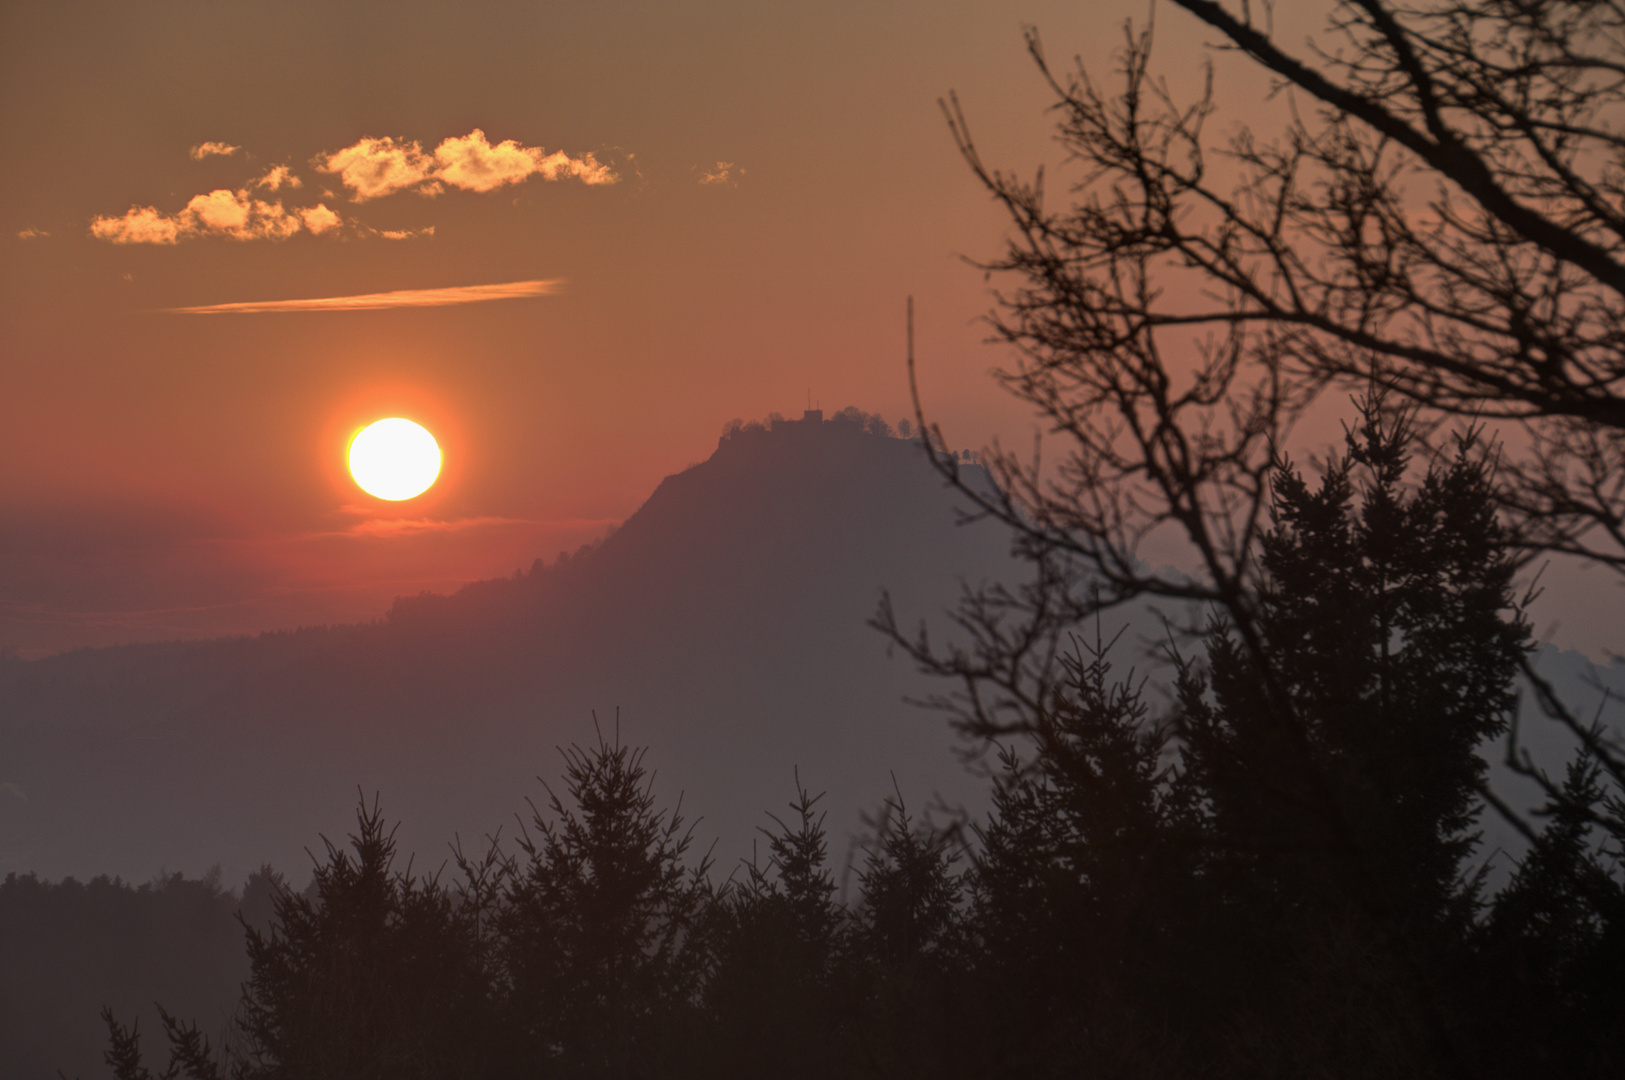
x,y
725,621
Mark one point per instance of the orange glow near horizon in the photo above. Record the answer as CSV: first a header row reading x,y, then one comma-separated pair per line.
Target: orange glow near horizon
x,y
394,459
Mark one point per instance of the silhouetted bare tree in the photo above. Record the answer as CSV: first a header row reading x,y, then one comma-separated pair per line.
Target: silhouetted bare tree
x,y
1442,215
1441,220
1438,228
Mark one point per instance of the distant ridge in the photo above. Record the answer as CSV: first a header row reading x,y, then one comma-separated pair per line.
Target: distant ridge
x,y
725,619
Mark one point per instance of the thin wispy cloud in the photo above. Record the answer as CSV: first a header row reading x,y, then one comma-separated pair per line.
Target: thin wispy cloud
x,y
725,173
460,294
32,234
406,234
213,149
278,178
380,527
375,167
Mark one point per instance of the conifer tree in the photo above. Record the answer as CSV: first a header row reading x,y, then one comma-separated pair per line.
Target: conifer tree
x,y
1084,884
905,966
1346,768
777,940
1337,756
370,973
601,925
910,891
1555,939
1282,864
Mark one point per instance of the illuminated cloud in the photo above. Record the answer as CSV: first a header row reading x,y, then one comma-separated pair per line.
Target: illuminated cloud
x,y
473,164
376,167
460,294
585,168
32,234
369,169
278,178
319,219
233,214
213,149
726,172
139,225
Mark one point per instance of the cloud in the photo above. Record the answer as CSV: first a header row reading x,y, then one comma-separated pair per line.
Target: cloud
x,y
12,791
373,167
473,164
726,172
585,168
376,167
233,214
139,225
413,526
319,219
460,294
278,178
369,169
31,234
212,149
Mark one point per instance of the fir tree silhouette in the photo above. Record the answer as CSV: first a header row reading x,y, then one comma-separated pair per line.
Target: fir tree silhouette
x,y
602,923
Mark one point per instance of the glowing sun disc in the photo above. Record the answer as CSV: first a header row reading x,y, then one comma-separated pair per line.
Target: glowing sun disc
x,y
394,459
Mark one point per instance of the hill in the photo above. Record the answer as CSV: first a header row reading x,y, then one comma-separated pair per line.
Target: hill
x,y
724,622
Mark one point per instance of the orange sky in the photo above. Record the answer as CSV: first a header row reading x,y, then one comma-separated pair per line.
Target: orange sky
x,y
729,202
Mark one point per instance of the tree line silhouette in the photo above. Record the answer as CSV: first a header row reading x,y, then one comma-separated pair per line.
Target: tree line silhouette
x,y
69,948
1194,888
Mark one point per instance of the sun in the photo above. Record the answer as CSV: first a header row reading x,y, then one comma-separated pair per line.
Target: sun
x,y
394,459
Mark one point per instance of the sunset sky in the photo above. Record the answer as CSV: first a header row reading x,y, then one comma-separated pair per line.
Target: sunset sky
x,y
571,239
